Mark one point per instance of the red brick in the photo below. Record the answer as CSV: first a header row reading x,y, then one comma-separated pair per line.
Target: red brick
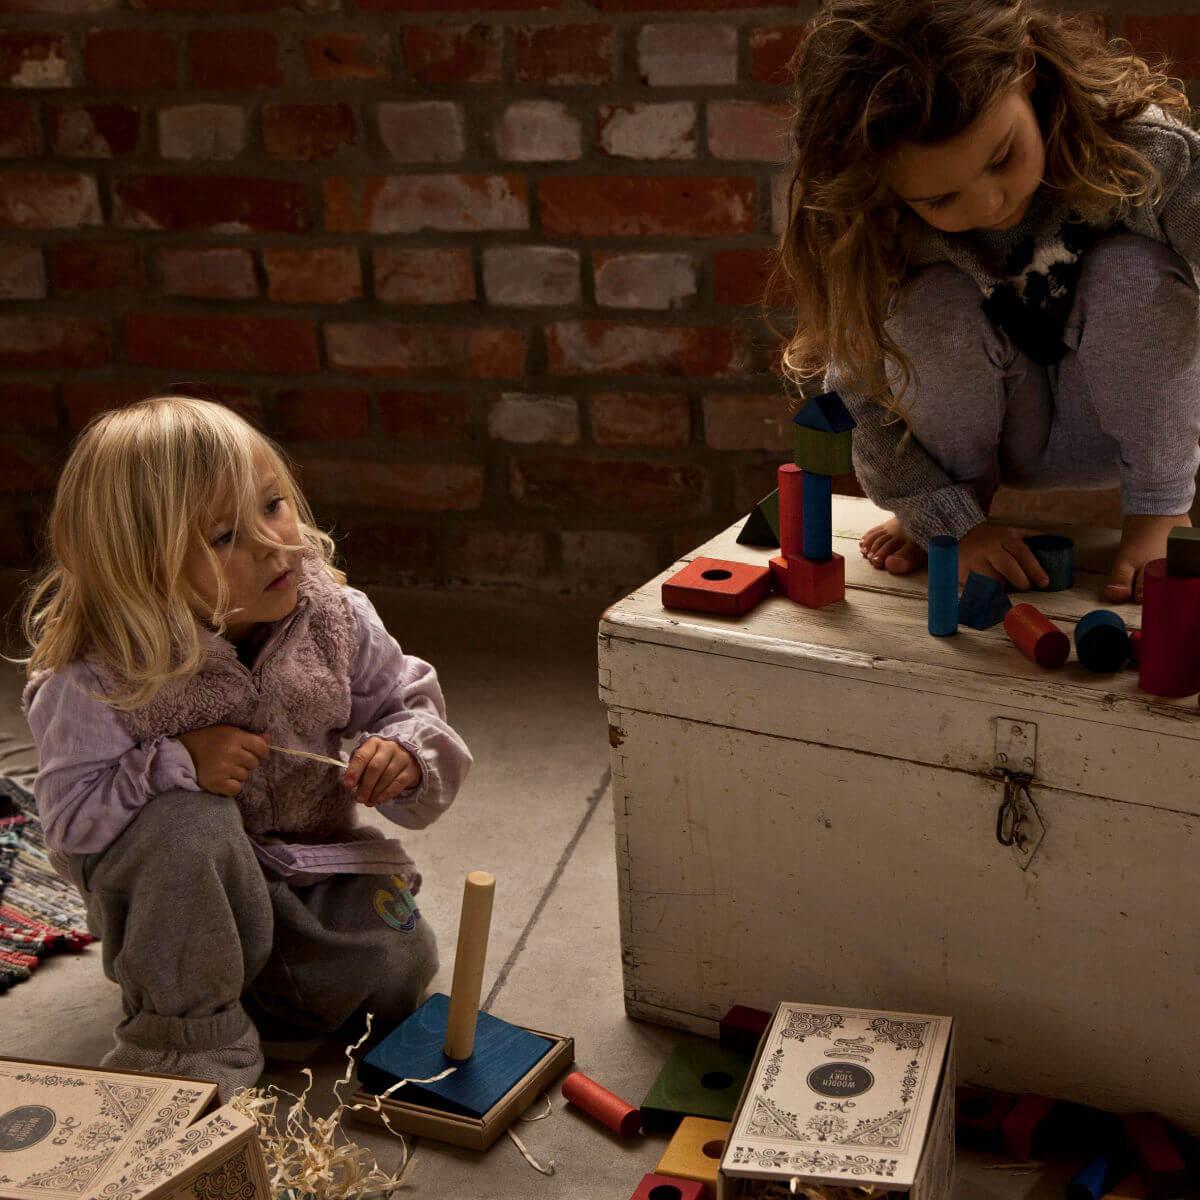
x,y
456,54
28,408
304,132
444,6
424,131
640,419
740,276
747,130
208,272
34,60
19,133
522,276
657,280
323,414
692,5
613,348
386,550
201,131
420,487
565,54
84,398
631,206
647,131
235,7
21,471
241,59
608,485
22,273
457,352
335,56
219,343
57,8
95,130
131,59
58,342
1176,35
95,267
499,554
747,422
213,203
420,275
529,420
612,560
40,200
425,416
538,131
17,547
412,203
313,275
696,55
771,51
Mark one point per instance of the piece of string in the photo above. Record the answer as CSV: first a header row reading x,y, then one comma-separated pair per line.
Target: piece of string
x,y
323,758
541,1116
548,1169
1018,1168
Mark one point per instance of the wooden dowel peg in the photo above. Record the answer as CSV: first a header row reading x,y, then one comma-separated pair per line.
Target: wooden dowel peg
x,y
473,930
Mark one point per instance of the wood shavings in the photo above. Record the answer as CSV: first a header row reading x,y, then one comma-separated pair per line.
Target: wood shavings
x,y
820,1191
548,1169
311,1158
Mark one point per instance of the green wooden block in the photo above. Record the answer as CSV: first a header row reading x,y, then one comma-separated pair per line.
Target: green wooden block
x,y
762,525
823,453
698,1080
1183,552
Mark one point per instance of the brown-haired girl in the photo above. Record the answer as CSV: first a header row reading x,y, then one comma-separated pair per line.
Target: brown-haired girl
x,y
994,221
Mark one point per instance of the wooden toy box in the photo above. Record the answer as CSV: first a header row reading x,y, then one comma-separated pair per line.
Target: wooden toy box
x,y
807,804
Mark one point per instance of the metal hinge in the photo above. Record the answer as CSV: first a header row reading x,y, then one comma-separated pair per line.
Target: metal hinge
x,y
1018,822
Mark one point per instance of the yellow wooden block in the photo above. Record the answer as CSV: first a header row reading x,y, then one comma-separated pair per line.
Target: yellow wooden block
x,y
1132,1187
695,1150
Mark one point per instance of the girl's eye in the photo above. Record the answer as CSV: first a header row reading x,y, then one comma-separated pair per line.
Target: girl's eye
x,y
940,202
1008,157
224,539
274,505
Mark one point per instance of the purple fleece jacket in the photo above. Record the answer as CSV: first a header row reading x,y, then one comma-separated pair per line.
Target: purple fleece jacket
x,y
328,670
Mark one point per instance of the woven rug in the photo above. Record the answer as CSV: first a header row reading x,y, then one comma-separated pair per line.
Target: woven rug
x,y
40,912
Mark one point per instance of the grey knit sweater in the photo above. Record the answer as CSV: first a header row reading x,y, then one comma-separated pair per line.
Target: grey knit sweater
x,y
897,472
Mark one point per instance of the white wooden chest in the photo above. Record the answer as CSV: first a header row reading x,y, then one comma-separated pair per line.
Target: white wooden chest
x,y
807,806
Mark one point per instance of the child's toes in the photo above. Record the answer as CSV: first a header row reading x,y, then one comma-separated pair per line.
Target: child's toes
x,y
1119,588
907,557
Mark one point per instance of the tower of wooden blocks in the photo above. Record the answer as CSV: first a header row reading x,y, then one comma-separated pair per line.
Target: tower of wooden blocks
x,y
807,569
1169,652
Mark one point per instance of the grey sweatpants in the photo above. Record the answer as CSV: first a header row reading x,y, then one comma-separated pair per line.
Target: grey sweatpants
x,y
1121,408
191,928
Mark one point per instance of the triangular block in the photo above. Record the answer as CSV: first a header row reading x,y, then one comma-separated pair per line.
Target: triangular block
x,y
825,413
762,525
983,602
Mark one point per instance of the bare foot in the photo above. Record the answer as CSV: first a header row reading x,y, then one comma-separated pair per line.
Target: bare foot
x,y
888,548
1143,539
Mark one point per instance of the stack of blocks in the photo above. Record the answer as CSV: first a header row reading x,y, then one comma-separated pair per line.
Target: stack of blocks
x,y
808,571
1169,651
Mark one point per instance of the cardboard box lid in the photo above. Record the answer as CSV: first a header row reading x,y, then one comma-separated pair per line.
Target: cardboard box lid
x,y
840,1094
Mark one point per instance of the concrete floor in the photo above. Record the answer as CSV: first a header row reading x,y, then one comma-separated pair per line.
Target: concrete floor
x,y
519,676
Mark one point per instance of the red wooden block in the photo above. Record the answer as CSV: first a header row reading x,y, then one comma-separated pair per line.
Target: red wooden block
x,y
1135,647
714,585
791,510
1148,1136
743,1027
811,582
1036,636
1019,1126
1169,652
667,1187
979,1116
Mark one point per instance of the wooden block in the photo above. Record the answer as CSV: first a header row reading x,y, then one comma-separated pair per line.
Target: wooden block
x,y
597,1101
665,1187
791,509
694,1151
1169,651
474,1133
818,516
1161,1161
415,1049
1102,642
822,453
813,584
1036,636
983,602
1057,556
1132,1187
1018,1128
943,586
1089,1183
715,585
825,413
762,525
979,1115
1183,552
1135,648
700,1079
742,1028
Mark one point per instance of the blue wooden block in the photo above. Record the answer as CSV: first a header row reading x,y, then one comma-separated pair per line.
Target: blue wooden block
x,y
826,413
818,516
1102,641
503,1055
983,602
1090,1183
1057,556
943,586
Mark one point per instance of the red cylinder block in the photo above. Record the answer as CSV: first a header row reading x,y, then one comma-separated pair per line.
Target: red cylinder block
x,y
597,1101
1169,654
1036,636
791,511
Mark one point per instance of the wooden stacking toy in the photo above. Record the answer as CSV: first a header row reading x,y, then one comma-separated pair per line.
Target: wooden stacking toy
x,y
1102,642
1036,636
762,525
717,585
1057,556
496,1069
943,586
983,602
1169,650
597,1101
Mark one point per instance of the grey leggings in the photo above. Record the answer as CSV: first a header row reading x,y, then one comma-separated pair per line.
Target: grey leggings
x,y
1121,408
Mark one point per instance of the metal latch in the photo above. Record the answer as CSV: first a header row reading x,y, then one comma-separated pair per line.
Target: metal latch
x,y
1018,822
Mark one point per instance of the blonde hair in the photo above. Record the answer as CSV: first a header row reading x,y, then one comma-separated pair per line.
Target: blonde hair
x,y
138,489
874,74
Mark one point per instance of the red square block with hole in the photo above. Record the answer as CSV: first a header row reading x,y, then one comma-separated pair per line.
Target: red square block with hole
x,y
666,1187
811,582
714,585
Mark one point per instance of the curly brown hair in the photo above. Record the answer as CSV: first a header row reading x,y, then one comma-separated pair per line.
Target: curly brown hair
x,y
871,75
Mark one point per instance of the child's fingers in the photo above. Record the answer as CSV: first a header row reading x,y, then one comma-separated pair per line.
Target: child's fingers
x,y
376,795
1029,562
358,762
1010,568
408,778
1120,584
373,770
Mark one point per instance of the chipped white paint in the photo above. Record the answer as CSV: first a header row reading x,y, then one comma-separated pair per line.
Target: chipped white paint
x,y
806,810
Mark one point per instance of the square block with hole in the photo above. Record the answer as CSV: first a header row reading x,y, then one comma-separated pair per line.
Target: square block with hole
x,y
716,585
698,1080
695,1149
663,1187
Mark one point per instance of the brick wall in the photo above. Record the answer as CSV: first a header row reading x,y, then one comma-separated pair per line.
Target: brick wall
x,y
486,270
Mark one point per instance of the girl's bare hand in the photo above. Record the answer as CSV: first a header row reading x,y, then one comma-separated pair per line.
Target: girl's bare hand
x,y
379,770
1000,552
224,756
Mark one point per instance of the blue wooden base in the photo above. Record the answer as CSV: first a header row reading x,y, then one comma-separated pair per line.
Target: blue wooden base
x,y
504,1054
